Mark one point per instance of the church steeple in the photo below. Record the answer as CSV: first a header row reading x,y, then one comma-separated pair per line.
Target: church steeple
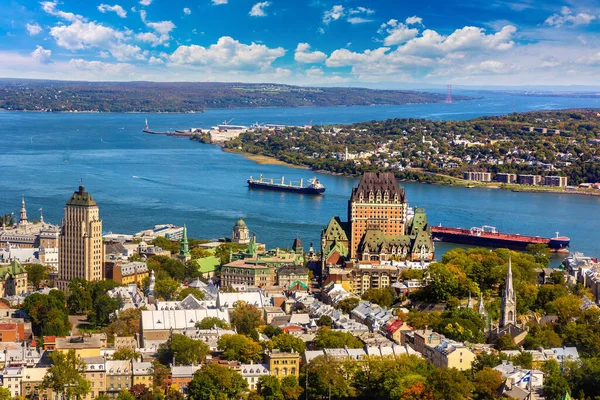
x,y
23,216
470,302
184,251
481,308
508,312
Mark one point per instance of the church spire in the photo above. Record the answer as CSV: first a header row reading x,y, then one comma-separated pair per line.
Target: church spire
x,y
184,251
470,302
508,312
481,307
23,216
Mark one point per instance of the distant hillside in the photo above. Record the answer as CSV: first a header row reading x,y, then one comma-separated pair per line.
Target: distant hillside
x,y
35,95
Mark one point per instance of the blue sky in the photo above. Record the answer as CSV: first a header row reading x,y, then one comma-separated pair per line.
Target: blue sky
x,y
345,42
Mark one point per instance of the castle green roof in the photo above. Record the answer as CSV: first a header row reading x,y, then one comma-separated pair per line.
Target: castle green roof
x,y
81,198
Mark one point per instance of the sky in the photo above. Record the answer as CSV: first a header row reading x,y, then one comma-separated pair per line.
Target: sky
x,y
391,43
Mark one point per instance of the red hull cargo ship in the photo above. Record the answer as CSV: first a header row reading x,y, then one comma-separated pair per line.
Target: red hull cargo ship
x,y
488,236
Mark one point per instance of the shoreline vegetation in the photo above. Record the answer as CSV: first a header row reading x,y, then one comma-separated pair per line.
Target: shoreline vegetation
x,y
546,143
192,97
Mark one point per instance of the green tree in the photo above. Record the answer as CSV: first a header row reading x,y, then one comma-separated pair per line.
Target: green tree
x,y
506,342
329,339
270,388
185,350
270,331
198,294
384,297
5,394
36,273
325,320
125,353
166,289
103,306
79,300
48,314
125,395
290,388
166,244
66,375
287,343
555,383
245,318
211,322
327,376
486,383
240,348
159,375
215,382
449,384
348,304
566,307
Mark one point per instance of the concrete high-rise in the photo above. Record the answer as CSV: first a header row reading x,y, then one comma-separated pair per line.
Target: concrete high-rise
x,y
81,252
377,203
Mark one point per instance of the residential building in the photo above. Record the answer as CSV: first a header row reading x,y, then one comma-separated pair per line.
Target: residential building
x,y
13,279
558,181
118,376
515,375
142,373
81,251
394,328
96,374
84,346
10,332
478,176
506,178
129,272
12,378
531,180
181,376
252,373
449,354
282,364
293,278
251,273
31,384
272,312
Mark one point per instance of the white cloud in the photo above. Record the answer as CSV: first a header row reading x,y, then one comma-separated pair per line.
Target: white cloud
x,y
80,35
488,67
103,8
99,67
397,32
41,55
593,59
227,53
126,52
149,37
314,72
358,20
258,10
50,8
567,17
187,11
33,29
145,2
414,20
305,56
161,30
155,61
334,14
361,10
218,2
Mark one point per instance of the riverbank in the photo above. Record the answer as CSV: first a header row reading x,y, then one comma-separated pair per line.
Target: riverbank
x,y
263,160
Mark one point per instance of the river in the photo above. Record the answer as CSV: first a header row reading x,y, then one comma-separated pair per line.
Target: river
x,y
140,180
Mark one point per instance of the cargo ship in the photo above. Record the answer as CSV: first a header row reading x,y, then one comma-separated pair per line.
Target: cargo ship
x,y
488,236
313,186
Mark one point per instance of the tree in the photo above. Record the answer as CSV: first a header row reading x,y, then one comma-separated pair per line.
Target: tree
x,y
326,376
215,382
103,306
5,394
138,390
287,343
384,297
166,289
159,375
80,297
48,314
270,388
240,348
449,384
212,322
329,339
348,304
246,318
184,350
325,320
198,294
486,383
65,376
555,383
127,323
125,353
36,273
166,244
566,307
290,388
270,331
125,395
506,342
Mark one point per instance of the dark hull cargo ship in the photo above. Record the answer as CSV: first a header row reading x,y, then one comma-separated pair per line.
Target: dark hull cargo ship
x,y
313,186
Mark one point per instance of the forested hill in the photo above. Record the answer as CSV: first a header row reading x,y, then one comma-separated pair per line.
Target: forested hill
x,y
36,95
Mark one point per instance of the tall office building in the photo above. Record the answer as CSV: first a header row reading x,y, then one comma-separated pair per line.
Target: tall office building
x,y
81,252
377,203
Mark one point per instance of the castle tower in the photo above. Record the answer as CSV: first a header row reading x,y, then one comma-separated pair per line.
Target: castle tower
x,y
80,249
377,203
23,215
240,233
508,309
184,251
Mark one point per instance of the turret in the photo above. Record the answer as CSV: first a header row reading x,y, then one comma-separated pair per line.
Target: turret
x,y
23,215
